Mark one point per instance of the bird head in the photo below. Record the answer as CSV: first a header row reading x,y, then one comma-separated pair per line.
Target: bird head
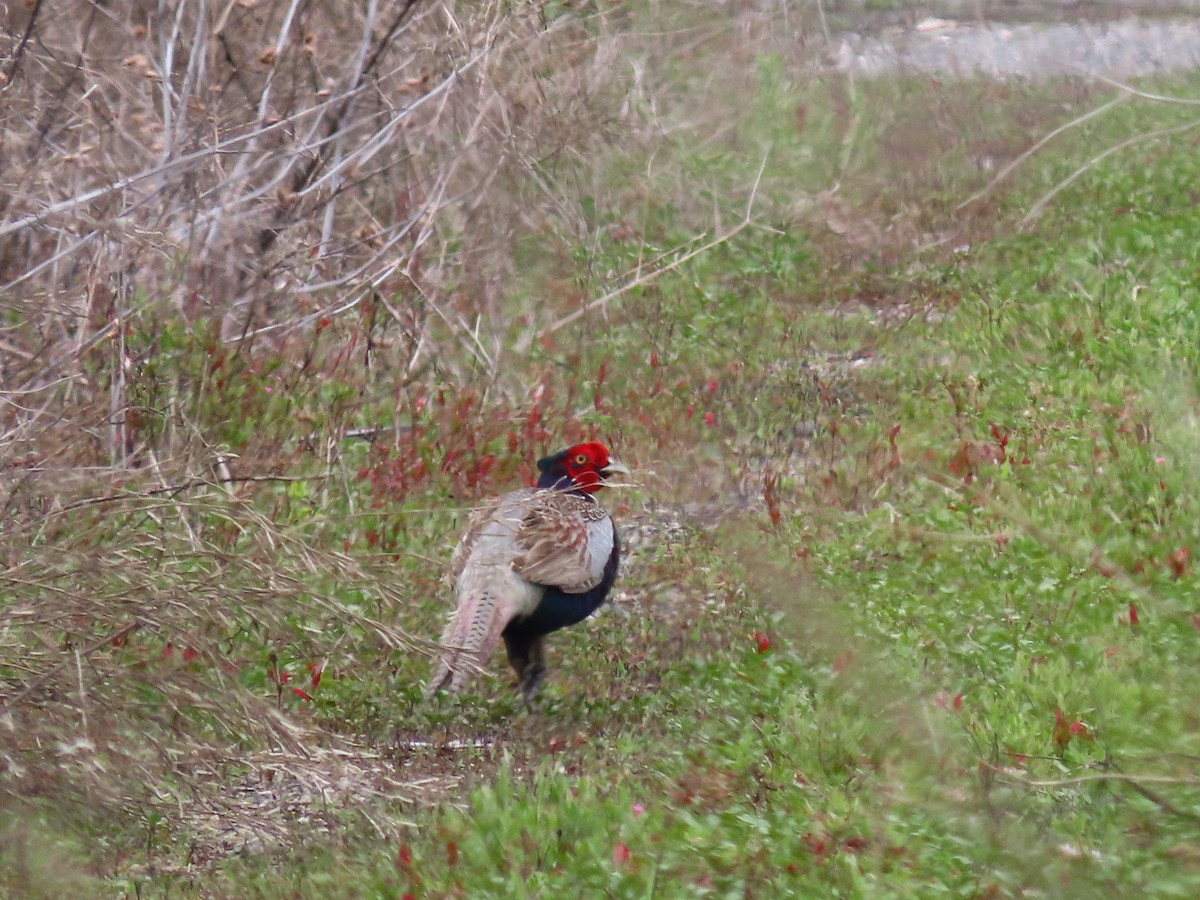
x,y
584,467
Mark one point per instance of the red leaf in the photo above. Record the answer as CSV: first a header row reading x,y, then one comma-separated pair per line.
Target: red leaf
x,y
1133,615
762,641
620,854
451,853
315,670
190,653
301,693
710,419
956,703
403,858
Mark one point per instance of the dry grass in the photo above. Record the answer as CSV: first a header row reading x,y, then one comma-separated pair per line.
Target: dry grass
x,y
267,165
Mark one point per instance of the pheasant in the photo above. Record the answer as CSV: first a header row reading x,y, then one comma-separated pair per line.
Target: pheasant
x,y
531,562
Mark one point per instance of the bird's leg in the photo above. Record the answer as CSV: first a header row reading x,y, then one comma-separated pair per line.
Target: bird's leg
x,y
527,657
535,670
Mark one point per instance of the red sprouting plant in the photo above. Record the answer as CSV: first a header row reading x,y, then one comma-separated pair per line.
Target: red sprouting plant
x,y
855,844
620,854
403,858
762,641
895,461
941,701
315,670
1061,734
1133,615
477,475
816,845
771,496
1064,731
1001,437
1103,566
1178,561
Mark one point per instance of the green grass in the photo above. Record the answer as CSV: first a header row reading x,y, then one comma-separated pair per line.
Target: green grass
x,y
930,611
922,621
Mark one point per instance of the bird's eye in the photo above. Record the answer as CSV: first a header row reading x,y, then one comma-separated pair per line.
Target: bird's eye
x,y
581,459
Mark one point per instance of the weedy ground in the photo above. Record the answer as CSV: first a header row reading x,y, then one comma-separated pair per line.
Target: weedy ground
x,y
909,605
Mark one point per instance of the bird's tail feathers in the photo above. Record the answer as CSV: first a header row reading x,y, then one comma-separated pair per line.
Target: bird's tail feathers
x,y
469,639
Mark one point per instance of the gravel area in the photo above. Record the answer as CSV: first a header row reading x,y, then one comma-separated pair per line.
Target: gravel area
x,y
1124,48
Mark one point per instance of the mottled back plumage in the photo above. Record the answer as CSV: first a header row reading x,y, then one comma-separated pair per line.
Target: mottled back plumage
x,y
530,562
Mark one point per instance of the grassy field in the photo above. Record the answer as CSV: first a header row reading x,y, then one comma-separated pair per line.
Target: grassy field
x,y
908,607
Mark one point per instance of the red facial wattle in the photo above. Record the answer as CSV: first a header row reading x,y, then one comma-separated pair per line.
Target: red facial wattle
x,y
584,463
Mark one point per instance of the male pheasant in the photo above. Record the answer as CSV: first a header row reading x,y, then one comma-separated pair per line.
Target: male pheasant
x,y
531,562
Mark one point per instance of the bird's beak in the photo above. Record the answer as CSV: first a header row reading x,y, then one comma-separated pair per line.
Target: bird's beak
x,y
614,467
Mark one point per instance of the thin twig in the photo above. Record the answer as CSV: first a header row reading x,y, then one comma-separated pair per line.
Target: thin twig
x,y
1145,95
1012,165
91,648
1135,782
1036,209
648,277
1094,778
169,490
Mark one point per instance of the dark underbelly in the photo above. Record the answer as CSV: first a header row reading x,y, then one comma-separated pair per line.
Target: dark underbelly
x,y
559,609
